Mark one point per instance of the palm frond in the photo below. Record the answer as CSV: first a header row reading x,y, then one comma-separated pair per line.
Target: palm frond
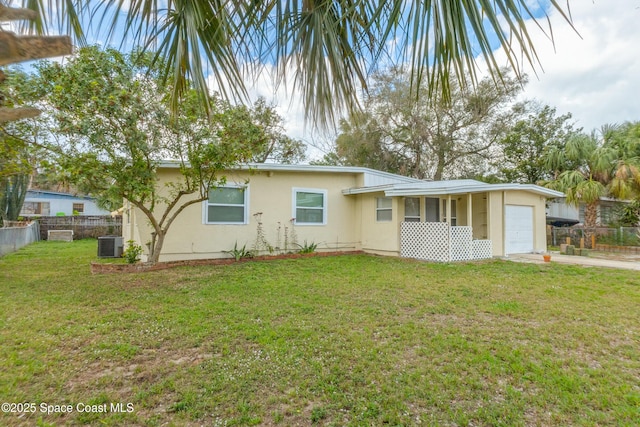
x,y
589,191
602,161
619,188
61,16
327,48
570,179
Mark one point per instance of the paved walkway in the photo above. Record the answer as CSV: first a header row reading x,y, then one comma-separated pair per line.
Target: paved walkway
x,y
577,260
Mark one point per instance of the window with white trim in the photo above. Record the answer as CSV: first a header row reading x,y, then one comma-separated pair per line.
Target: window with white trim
x,y
454,218
412,209
310,206
226,205
384,209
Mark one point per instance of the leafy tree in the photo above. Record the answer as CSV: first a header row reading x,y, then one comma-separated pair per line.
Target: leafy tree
x,y
113,112
531,136
361,143
592,166
328,47
15,170
21,142
279,148
427,139
628,215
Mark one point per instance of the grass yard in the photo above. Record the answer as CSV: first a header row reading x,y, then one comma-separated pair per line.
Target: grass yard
x,y
344,341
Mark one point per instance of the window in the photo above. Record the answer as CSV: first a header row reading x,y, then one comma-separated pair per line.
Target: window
x,y
78,207
453,211
227,205
310,206
35,208
412,209
607,214
383,209
432,209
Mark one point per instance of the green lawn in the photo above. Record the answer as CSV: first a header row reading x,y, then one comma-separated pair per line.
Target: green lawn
x,y
351,340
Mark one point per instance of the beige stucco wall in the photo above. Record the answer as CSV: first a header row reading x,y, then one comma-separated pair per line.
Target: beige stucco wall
x,y
524,198
380,237
351,220
497,200
272,194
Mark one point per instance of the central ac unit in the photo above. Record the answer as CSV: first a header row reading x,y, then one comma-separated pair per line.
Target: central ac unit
x,y
110,247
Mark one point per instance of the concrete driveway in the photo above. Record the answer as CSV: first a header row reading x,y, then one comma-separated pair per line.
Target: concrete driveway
x,y
587,261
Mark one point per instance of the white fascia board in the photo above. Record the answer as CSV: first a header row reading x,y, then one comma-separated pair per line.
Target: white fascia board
x,y
372,189
468,187
172,164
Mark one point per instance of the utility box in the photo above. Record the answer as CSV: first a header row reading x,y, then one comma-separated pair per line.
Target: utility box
x,y
110,247
60,235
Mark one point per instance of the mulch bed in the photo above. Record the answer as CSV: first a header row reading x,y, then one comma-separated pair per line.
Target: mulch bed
x,y
101,268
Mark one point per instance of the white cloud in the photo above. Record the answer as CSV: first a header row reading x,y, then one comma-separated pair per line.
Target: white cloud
x,y
287,101
593,75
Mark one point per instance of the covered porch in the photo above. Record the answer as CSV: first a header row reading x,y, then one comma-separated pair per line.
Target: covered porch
x,y
444,228
453,220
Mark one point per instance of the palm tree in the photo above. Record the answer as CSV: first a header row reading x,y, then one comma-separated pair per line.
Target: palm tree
x,y
593,166
327,48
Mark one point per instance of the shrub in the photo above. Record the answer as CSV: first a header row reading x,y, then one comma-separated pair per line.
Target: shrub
x,y
239,253
132,253
308,248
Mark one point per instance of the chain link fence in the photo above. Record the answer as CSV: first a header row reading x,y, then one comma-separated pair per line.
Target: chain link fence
x,y
614,236
14,237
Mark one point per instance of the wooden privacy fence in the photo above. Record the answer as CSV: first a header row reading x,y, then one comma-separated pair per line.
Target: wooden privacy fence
x,y
83,227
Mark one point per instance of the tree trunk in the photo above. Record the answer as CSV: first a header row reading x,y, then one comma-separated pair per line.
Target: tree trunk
x,y
25,48
156,246
439,166
15,13
13,194
590,221
12,114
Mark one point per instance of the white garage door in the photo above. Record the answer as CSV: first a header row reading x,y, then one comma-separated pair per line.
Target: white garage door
x,y
518,229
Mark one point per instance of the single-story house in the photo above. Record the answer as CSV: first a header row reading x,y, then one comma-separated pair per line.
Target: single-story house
x,y
560,213
52,203
278,207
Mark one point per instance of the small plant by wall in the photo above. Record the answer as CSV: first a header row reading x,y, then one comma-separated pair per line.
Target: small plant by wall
x,y
261,244
287,239
132,253
307,248
239,253
293,237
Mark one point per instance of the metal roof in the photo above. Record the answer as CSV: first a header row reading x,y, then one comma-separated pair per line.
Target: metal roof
x,y
45,194
393,184
371,175
443,188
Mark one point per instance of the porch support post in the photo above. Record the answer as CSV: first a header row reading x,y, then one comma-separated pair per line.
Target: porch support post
x,y
449,210
469,211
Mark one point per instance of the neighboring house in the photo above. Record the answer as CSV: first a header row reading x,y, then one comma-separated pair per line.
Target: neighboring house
x,y
51,203
352,208
559,213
